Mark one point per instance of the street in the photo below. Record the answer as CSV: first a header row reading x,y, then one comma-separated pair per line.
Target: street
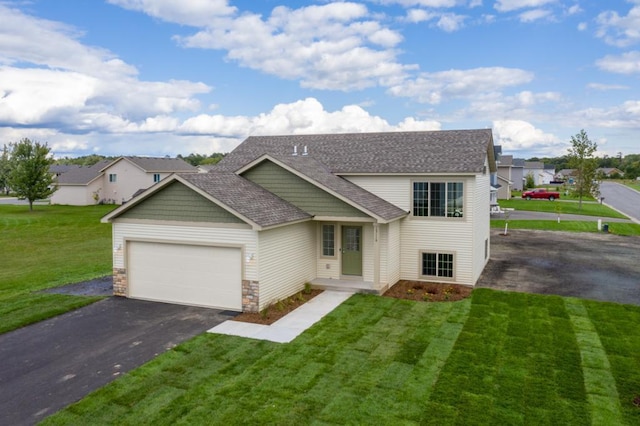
x,y
621,198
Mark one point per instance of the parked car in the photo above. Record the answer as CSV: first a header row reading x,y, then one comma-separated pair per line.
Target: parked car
x,y
540,193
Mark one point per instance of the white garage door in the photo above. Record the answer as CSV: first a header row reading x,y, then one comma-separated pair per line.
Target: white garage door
x,y
185,274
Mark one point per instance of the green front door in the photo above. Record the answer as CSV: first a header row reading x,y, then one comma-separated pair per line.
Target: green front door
x,y
352,250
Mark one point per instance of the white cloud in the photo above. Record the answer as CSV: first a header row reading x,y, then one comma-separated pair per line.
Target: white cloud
x,y
519,135
623,116
619,30
192,12
435,4
303,116
49,77
627,63
419,15
534,15
433,88
606,87
334,46
450,22
582,26
511,5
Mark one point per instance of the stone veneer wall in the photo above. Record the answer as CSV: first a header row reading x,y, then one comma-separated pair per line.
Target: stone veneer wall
x,y
120,283
250,296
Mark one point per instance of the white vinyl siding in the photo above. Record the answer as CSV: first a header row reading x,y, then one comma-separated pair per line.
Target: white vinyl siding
x,y
77,195
391,254
482,224
287,260
246,239
418,234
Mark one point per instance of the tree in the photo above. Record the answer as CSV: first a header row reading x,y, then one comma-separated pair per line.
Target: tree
x,y
529,181
4,170
581,158
29,175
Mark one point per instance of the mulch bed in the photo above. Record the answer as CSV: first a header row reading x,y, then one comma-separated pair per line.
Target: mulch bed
x,y
428,292
279,309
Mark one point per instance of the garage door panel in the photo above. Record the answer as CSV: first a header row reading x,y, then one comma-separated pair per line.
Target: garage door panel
x,y
186,274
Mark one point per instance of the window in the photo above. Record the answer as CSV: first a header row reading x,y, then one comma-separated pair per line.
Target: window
x,y
436,265
438,199
156,177
113,177
328,240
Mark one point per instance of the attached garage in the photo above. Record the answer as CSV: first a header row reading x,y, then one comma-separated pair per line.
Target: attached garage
x,y
185,274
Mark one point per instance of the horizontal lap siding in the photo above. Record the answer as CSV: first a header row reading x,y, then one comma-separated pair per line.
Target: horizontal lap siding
x,y
394,189
287,260
482,220
392,253
246,238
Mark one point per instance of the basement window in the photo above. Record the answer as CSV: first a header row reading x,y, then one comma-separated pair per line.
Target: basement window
x,y
440,265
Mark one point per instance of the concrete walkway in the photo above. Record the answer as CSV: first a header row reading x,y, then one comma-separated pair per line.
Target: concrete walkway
x,y
290,326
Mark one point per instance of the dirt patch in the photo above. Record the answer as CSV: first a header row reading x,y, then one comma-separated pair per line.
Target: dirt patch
x,y
102,286
274,312
428,292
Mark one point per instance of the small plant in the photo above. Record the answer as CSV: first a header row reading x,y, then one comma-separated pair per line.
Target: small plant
x,y
264,313
307,288
427,297
300,297
410,291
281,305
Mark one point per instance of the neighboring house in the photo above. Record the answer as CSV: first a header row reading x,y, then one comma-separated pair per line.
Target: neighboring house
x,y
565,174
609,172
114,181
342,210
542,174
505,178
517,174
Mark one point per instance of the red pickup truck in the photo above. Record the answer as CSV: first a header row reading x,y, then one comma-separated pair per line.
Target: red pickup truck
x,y
540,193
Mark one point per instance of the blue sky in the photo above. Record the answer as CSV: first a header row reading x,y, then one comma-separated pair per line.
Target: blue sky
x,y
165,77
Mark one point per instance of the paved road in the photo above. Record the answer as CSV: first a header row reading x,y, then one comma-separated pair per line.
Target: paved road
x,y
594,266
621,198
46,366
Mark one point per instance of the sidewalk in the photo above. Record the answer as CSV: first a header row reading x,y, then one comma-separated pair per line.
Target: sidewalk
x,y
289,327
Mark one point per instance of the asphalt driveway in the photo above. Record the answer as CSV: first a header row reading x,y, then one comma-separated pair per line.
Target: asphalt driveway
x,y
49,365
594,266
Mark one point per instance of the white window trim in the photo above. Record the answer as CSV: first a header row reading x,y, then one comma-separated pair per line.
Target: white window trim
x,y
335,240
445,181
436,277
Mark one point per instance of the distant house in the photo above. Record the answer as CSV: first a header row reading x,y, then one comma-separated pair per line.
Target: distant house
x,y
610,172
542,174
505,177
347,211
114,181
517,174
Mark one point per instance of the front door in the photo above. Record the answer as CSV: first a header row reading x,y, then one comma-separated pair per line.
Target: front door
x,y
352,250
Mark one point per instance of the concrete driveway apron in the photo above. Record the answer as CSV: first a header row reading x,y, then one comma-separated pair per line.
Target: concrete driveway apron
x,y
51,364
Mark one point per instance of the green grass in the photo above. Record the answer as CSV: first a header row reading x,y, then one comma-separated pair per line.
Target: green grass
x,y
617,228
497,358
49,247
566,207
632,184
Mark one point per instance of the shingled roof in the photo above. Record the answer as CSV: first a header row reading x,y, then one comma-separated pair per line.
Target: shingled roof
x,y
449,151
82,175
160,164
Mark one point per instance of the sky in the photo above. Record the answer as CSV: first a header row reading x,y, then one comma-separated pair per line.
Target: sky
x,y
166,77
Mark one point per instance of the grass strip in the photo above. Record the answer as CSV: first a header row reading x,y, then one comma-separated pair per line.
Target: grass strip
x,y
562,207
616,228
599,382
617,326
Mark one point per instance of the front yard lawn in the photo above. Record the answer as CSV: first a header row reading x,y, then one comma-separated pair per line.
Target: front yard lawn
x,y
495,358
49,247
566,207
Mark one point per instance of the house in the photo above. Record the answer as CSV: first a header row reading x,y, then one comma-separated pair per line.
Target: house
x,y
517,174
353,211
114,181
542,173
609,172
505,177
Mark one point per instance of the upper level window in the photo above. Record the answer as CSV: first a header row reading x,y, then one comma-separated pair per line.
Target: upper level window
x,y
113,177
156,177
440,199
328,240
